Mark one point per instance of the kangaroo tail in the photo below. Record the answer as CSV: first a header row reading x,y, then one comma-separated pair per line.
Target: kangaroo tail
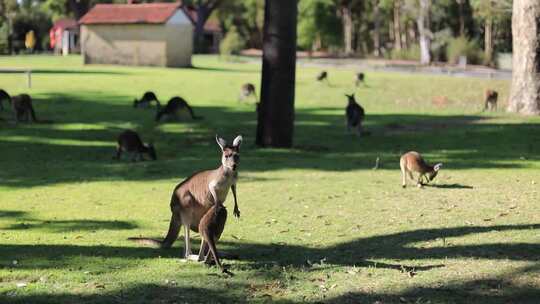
x,y
146,241
159,114
33,114
190,110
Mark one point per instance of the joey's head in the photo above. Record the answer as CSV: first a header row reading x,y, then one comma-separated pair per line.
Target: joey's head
x,y
351,98
135,103
230,157
152,151
435,171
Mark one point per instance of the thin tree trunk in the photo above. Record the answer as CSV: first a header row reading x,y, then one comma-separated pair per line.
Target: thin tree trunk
x,y
424,30
276,111
397,25
525,90
488,40
346,19
461,18
376,29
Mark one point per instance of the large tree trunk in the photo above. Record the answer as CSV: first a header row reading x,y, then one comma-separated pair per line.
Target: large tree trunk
x,y
397,25
488,40
198,34
376,29
525,91
346,19
276,111
424,29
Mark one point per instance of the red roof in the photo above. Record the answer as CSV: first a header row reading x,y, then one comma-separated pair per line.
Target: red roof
x,y
65,24
155,13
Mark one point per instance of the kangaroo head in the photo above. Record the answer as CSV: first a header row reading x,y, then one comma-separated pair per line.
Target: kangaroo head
x,y
351,98
152,151
435,171
230,157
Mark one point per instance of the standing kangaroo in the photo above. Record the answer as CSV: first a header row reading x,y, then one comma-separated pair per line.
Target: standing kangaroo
x,y
247,89
23,109
490,100
210,228
359,78
354,114
174,106
4,96
145,101
130,141
193,197
413,162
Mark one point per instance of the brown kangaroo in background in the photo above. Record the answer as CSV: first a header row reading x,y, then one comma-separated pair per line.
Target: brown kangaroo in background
x,y
490,100
354,113
413,162
145,101
210,227
23,109
4,96
323,75
247,89
173,107
130,141
193,197
359,78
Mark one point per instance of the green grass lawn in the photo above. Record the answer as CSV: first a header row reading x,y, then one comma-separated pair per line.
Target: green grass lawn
x,y
318,223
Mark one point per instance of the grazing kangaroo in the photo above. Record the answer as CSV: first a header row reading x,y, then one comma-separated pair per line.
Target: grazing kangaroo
x,y
23,109
210,227
193,197
413,162
130,141
174,106
247,89
145,101
4,96
360,78
490,100
322,76
354,114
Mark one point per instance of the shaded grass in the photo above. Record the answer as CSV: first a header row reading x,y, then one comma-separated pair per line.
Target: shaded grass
x,y
318,224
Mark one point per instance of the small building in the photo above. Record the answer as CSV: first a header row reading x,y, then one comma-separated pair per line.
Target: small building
x,y
149,34
64,37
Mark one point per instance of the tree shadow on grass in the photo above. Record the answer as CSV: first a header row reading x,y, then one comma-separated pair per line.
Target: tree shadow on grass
x,y
79,145
71,225
449,186
363,252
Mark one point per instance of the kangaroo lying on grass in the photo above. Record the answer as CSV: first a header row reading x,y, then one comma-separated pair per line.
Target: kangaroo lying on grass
x,y
145,101
247,89
210,228
4,96
354,114
490,100
192,198
130,141
173,107
413,162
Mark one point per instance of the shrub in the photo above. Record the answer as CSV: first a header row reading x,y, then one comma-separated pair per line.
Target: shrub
x,y
461,46
412,53
232,44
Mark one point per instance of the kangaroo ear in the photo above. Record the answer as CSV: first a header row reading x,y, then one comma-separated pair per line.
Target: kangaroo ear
x,y
437,167
237,141
221,142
